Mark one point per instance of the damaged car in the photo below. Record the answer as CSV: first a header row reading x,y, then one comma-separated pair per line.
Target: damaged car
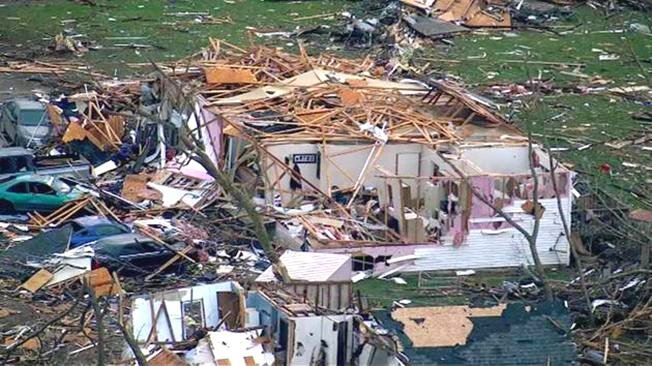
x,y
133,254
33,192
87,229
25,122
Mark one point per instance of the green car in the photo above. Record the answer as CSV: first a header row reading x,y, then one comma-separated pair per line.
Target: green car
x,y
32,192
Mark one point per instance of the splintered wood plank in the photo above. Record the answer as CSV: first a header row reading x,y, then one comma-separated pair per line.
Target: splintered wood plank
x,y
166,358
38,280
225,75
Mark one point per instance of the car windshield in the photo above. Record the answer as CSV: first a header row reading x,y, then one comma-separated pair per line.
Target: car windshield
x,y
60,186
32,117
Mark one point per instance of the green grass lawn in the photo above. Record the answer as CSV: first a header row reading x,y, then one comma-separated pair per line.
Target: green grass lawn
x,y
30,25
571,119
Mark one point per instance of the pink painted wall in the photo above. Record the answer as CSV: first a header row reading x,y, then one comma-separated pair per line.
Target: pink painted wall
x,y
212,127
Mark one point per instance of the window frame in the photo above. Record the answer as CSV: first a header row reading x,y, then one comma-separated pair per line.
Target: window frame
x,y
22,184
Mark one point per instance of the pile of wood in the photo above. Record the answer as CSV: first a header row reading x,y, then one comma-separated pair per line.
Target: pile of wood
x,y
342,113
105,133
69,210
471,13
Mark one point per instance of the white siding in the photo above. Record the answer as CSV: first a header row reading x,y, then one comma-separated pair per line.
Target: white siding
x,y
312,267
507,249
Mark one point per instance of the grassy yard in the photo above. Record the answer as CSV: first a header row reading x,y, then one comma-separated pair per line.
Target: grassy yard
x,y
30,25
567,117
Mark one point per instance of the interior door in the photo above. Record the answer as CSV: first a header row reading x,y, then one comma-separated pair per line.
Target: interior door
x,y
228,304
408,164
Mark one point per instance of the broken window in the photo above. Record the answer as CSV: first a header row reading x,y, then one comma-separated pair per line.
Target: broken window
x,y
18,188
363,263
283,335
342,342
382,258
193,317
41,188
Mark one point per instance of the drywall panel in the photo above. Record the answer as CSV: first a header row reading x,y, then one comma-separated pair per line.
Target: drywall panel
x,y
313,332
146,308
499,159
342,165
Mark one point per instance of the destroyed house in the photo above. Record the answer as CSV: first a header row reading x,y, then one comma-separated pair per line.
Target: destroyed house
x,y
302,334
379,169
512,334
291,329
323,279
173,316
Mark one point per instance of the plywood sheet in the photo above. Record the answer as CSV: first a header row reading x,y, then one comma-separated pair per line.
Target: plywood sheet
x,y
117,125
226,75
101,281
350,97
441,326
166,358
133,186
38,280
73,132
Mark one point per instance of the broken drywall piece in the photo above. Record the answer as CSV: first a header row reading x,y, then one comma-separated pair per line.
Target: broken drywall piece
x,y
172,196
104,168
200,355
468,272
70,264
360,276
239,348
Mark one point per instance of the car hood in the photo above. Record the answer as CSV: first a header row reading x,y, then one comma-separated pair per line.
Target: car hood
x,y
39,132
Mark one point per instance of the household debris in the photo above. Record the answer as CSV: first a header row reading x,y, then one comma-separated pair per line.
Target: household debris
x,y
350,169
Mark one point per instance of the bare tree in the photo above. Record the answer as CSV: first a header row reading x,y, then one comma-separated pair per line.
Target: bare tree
x,y
531,238
578,259
193,148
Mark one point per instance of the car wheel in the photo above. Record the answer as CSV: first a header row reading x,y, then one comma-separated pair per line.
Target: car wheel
x,y
6,207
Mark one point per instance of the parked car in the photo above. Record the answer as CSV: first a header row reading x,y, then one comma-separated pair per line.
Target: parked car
x,y
87,229
25,122
33,192
18,160
132,253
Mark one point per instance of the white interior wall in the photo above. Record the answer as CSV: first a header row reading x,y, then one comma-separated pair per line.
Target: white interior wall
x,y
142,313
311,331
499,159
350,159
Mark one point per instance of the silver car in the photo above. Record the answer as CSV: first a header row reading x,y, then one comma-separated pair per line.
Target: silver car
x,y
25,122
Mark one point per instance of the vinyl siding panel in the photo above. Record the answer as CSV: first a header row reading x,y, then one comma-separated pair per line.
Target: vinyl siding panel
x,y
506,249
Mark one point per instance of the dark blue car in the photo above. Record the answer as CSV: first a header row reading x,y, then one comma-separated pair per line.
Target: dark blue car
x,y
91,228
